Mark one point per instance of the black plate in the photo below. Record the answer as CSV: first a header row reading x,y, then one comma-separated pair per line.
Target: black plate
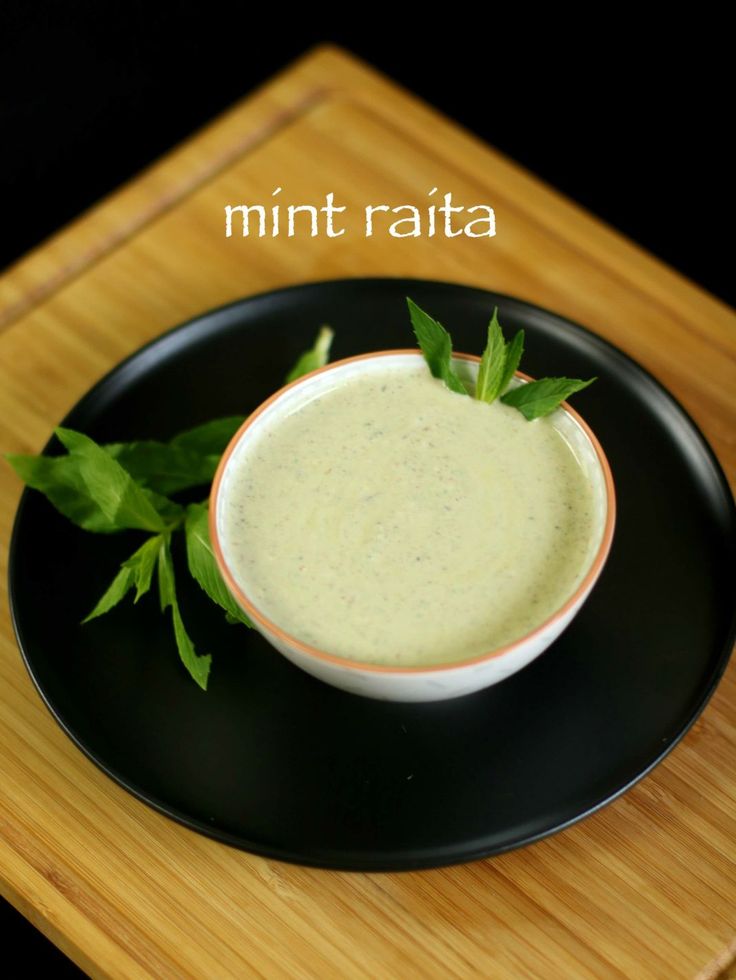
x,y
276,762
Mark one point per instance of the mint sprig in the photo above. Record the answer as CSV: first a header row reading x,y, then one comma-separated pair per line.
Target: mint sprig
x,y
499,361
92,489
197,665
125,486
316,357
512,358
498,364
202,565
538,398
135,572
188,460
436,345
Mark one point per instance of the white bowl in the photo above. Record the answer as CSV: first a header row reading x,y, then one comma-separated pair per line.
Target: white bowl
x,y
424,683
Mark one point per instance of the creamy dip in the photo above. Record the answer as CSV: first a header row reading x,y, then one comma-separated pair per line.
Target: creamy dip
x,y
392,521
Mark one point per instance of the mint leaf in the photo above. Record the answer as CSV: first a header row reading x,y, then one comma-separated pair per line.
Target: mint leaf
x,y
142,564
198,666
492,363
514,350
119,498
64,480
316,357
117,590
135,572
166,581
436,346
210,438
499,362
169,510
60,479
163,467
538,398
188,460
202,565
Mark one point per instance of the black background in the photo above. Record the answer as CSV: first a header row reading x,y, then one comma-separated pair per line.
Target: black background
x,y
634,123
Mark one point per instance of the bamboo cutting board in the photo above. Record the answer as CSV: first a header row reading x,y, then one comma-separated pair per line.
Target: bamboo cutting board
x,y
645,888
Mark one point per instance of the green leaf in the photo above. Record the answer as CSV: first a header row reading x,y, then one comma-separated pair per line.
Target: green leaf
x,y
135,572
210,438
436,346
188,460
142,564
64,481
492,364
538,398
163,467
166,582
202,565
60,479
169,510
316,357
198,666
499,362
118,496
118,589
514,350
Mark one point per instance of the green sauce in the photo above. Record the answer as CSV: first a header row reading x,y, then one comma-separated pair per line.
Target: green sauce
x,y
394,522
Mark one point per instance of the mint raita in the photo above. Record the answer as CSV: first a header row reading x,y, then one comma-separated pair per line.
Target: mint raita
x,y
128,486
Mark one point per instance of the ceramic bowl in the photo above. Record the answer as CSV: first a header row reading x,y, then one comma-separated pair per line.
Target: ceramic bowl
x,y
422,683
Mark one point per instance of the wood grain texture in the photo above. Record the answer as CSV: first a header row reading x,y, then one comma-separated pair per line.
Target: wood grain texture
x,y
645,888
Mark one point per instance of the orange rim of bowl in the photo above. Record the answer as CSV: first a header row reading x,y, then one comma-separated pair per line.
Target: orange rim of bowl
x,y
334,659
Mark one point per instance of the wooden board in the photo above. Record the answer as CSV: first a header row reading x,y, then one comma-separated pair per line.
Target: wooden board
x,y
645,888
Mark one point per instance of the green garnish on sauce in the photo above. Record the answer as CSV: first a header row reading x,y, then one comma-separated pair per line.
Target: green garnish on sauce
x,y
499,363
436,346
